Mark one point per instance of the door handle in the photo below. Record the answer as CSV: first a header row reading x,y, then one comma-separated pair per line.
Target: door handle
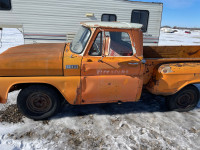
x,y
133,63
143,61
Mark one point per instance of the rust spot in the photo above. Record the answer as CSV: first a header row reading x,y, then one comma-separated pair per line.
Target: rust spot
x,y
165,70
192,53
179,65
78,95
89,60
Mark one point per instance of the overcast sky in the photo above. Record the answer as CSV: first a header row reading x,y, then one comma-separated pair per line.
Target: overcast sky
x,y
184,13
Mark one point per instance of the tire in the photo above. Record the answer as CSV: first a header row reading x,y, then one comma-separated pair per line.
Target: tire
x,y
185,100
38,102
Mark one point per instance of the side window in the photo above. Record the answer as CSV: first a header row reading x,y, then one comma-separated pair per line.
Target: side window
x,y
5,4
142,17
96,49
120,44
108,17
114,43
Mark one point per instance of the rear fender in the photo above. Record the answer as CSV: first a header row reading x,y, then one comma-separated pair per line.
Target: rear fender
x,y
171,78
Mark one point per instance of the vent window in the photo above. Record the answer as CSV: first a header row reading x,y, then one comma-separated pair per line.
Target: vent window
x,y
141,17
5,4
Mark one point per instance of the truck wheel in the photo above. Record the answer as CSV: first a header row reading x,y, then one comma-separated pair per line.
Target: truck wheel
x,y
38,102
185,100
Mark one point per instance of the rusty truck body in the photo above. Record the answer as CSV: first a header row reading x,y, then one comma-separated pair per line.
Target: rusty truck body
x,y
105,63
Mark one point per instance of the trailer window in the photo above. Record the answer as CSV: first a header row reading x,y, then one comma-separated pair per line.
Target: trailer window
x,y
5,4
108,17
142,17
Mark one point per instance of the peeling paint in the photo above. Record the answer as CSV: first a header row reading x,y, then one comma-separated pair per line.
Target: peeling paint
x,y
119,25
166,70
78,95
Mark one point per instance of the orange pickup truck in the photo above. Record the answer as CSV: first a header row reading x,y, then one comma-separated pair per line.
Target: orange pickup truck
x,y
105,63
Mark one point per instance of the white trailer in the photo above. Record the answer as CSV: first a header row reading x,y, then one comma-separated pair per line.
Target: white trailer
x,y
48,21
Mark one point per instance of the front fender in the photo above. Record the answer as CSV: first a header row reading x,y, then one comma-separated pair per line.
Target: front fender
x,y
67,86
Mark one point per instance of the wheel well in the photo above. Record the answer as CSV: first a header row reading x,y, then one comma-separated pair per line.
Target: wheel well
x,y
21,86
188,86
185,99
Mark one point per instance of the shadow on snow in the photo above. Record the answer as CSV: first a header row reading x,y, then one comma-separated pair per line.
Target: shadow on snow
x,y
147,104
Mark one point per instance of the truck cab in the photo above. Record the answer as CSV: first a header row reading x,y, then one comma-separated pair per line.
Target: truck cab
x,y
111,67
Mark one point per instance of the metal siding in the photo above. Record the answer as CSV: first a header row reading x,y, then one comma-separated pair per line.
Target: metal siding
x,y
61,17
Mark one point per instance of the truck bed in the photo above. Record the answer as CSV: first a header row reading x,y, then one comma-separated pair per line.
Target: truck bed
x,y
171,52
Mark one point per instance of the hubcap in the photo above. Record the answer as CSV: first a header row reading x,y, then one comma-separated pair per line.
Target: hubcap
x,y
39,102
186,99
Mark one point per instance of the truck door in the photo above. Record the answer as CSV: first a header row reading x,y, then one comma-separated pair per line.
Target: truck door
x,y
110,71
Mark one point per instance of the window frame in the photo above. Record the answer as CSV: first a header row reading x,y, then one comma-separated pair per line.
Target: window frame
x,y
140,18
129,32
10,4
109,17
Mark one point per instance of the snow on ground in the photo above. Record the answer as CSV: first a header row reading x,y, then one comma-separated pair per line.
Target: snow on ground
x,y
180,38
142,125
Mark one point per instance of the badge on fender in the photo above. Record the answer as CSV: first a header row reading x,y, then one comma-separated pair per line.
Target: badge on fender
x,y
71,67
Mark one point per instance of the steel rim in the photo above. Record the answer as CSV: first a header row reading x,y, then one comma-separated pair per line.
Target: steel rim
x,y
39,102
186,99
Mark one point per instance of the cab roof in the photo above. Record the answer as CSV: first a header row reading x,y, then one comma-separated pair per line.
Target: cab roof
x,y
120,25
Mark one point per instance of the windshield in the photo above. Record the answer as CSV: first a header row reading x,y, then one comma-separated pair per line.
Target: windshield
x,y
80,40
